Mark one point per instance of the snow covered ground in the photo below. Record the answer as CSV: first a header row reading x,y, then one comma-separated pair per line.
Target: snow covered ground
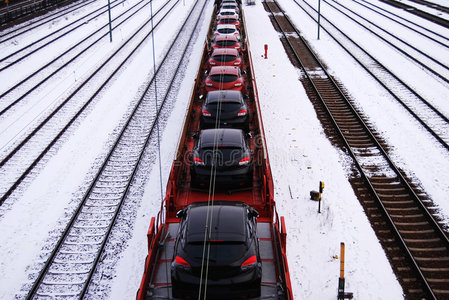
x,y
299,152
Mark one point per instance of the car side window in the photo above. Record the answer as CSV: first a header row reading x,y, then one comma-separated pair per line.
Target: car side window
x,y
183,232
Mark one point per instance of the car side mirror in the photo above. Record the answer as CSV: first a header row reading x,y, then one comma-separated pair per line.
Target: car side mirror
x,y
249,135
195,136
180,214
253,214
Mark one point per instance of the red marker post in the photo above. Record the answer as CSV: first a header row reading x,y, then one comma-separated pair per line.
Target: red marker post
x,y
266,51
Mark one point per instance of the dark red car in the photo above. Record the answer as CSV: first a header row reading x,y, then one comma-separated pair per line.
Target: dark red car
x,y
225,57
224,78
229,20
226,41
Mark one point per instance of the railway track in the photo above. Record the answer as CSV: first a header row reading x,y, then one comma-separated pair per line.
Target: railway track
x,y
10,33
428,33
401,214
26,9
15,94
15,57
421,13
435,122
435,66
70,267
21,160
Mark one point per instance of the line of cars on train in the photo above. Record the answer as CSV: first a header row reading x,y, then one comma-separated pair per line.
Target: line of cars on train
x,y
216,251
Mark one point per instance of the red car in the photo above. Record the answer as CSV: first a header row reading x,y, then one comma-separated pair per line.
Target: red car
x,y
225,57
229,20
226,41
227,12
224,78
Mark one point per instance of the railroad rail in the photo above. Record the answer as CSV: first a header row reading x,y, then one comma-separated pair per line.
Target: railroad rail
x,y
414,241
19,162
435,122
70,267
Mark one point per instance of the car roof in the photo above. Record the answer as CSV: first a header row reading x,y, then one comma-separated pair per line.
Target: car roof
x,y
228,10
229,4
228,223
235,17
224,95
228,137
231,70
225,51
221,26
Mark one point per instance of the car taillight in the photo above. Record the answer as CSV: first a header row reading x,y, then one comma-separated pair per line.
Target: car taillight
x,y
206,113
238,84
216,33
250,261
181,261
242,112
244,161
198,161
237,63
209,83
212,63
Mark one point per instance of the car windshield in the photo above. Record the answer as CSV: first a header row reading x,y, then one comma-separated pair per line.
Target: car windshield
x,y
224,78
220,252
226,30
226,107
226,43
224,58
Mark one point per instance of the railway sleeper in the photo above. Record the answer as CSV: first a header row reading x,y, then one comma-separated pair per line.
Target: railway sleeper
x,y
417,231
432,259
407,216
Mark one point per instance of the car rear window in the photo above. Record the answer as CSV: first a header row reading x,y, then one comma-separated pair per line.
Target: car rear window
x,y
224,57
224,156
226,43
224,78
226,30
226,6
220,252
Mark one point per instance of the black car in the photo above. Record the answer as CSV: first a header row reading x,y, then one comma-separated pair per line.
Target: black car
x,y
225,108
225,153
228,252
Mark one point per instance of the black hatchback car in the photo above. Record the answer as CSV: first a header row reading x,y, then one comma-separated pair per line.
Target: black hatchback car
x,y
225,108
229,248
224,152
